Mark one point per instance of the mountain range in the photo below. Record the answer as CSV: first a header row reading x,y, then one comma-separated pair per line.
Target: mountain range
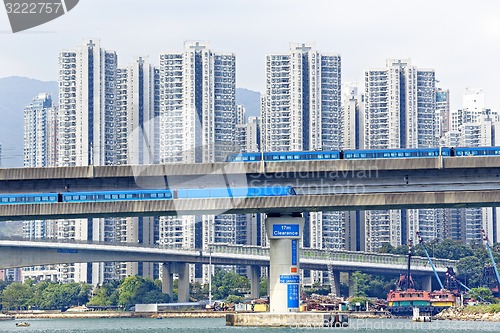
x,y
18,92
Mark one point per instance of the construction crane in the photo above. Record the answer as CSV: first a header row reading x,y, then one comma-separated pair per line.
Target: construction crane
x,y
485,241
421,241
451,275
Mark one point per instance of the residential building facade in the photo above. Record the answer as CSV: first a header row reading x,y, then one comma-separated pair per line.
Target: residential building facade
x,y
399,112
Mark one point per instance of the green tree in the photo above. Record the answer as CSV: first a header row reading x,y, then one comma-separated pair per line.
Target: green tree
x,y
388,248
105,295
470,271
361,300
229,283
360,283
377,288
263,283
17,296
50,295
198,292
234,299
136,289
482,293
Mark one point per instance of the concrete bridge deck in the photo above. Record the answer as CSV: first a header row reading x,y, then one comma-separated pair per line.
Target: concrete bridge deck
x,y
25,253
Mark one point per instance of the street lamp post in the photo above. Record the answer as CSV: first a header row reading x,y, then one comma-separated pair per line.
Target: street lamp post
x,y
210,276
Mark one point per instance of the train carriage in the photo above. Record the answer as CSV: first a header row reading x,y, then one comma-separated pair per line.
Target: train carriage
x,y
100,196
23,198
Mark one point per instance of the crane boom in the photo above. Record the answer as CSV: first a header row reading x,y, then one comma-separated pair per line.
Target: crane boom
x,y
485,239
460,283
421,241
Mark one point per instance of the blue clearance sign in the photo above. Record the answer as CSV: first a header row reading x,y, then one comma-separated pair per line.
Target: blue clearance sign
x,y
294,252
293,295
286,230
67,251
289,278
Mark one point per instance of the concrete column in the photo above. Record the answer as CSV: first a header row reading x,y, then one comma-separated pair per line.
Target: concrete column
x,y
336,282
427,283
284,234
167,280
254,281
183,286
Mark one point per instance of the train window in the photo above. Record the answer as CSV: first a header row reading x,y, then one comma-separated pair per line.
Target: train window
x,y
153,195
5,199
147,195
83,197
101,196
114,196
121,196
107,196
45,198
129,196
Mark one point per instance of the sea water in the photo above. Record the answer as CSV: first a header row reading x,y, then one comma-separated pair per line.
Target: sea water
x,y
218,325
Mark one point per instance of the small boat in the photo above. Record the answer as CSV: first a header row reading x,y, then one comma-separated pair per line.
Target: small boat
x,y
23,324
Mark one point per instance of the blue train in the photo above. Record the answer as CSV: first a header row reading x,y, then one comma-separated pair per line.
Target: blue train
x,y
284,156
28,198
354,154
160,194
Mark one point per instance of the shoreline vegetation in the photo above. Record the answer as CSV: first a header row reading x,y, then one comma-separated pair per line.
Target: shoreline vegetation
x,y
158,315
115,314
490,312
487,313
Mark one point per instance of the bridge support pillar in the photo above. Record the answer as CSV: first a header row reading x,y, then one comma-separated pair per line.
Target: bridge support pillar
x,y
284,232
335,283
183,287
427,283
254,272
167,280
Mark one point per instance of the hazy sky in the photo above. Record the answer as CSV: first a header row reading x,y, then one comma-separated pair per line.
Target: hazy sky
x,y
459,39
